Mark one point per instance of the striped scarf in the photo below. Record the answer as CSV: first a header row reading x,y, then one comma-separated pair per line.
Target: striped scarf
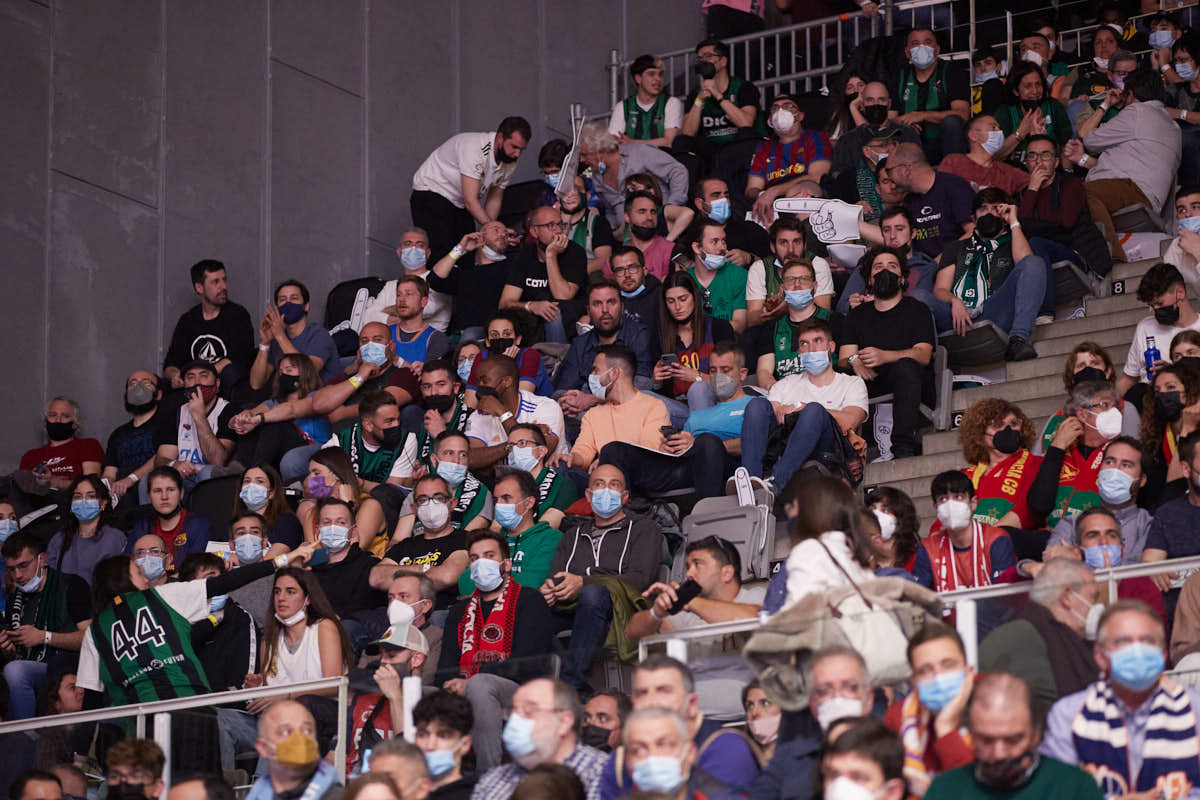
x,y
915,721
1171,753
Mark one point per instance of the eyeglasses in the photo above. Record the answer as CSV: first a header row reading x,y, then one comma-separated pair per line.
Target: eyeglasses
x,y
523,443
153,551
559,226
623,270
420,502
843,689
797,280
1047,156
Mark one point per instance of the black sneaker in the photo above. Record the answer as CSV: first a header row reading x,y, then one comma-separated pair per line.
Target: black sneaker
x,y
1019,350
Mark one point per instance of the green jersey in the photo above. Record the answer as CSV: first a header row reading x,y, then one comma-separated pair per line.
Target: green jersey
x,y
726,293
532,553
370,465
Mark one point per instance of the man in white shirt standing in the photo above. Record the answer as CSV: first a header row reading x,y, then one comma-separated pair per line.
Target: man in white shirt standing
x,y
447,187
828,403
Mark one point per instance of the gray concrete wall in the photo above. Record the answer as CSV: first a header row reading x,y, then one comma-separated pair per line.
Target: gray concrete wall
x,y
279,136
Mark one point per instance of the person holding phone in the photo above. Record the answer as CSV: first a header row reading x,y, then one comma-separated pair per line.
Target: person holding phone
x,y
686,335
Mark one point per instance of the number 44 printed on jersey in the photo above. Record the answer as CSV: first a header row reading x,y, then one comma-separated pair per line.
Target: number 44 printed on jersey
x,y
146,630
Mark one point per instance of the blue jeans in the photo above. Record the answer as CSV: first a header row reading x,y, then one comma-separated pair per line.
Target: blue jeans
x,y
814,432
25,679
1052,252
554,331
238,732
1014,307
588,625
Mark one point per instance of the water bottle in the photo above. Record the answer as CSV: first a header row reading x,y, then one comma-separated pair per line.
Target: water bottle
x,y
1151,355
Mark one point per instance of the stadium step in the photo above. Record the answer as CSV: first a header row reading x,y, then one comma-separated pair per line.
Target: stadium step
x,y
1080,328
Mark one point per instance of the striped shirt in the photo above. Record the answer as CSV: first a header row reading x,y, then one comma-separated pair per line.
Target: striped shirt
x,y
499,782
775,161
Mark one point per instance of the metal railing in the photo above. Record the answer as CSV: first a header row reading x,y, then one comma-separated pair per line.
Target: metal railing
x,y
161,711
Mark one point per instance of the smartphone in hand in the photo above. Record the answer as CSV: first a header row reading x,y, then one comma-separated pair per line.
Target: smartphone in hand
x,y
688,591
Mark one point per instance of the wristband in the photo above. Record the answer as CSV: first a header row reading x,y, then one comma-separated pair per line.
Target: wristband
x,y
1084,159
213,619
1183,114
1104,106
655,616
527,307
133,476
1163,69
281,561
852,358
457,252
47,638
264,347
355,381
505,417
1014,225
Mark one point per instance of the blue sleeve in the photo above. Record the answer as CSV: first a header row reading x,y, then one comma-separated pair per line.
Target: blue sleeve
x,y
729,758
1002,556
923,567
327,352
1156,537
571,374
776,590
641,349
199,531
608,788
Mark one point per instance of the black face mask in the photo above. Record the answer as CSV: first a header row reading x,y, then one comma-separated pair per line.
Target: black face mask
x,y
390,437
167,514
501,344
989,226
440,403
1190,361
1007,773
139,398
1007,441
595,736
1167,315
851,97
885,285
127,791
503,157
1089,374
1168,406
875,115
60,431
486,391
1029,105
287,384
705,70
643,233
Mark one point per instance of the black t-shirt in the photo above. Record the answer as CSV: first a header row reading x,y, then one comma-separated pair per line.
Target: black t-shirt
x,y
476,289
417,551
230,335
940,213
286,531
952,82
527,272
347,583
532,637
130,446
74,590
899,328
644,307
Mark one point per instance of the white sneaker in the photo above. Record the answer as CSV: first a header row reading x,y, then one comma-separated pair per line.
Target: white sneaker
x,y
1044,319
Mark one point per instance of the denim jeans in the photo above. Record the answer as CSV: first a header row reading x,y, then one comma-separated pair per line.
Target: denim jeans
x,y
238,732
814,432
1189,165
588,625
294,464
951,138
553,331
1014,307
704,468
25,679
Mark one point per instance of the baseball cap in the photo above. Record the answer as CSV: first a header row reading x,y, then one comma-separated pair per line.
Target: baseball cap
x,y
198,363
784,96
404,637
881,133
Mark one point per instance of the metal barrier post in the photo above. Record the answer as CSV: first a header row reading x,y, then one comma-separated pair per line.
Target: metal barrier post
x,y
677,649
162,735
339,753
140,727
411,695
964,616
971,32
1008,34
614,75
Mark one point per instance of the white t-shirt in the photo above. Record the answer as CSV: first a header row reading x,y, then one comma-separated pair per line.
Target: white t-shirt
x,y
189,599
436,313
468,154
845,391
404,466
1177,257
532,409
186,438
756,279
672,115
1135,359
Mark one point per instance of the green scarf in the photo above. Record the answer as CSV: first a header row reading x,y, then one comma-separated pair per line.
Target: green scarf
x,y
864,181
976,272
910,94
425,442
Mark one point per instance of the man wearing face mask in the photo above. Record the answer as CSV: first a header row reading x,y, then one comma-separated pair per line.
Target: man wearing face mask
x,y
889,344
1163,289
663,758
932,96
484,668
1066,482
442,409
1185,247
865,760
777,342
500,406
1049,644
859,183
791,155
872,105
528,452
765,299
249,542
609,326
135,768
1007,732
286,329
603,717
587,226
129,454
532,542
978,166
1098,537
641,292
414,253
443,723
375,442
965,552
287,741
600,566
1118,482
195,438
46,613
722,283
476,283
439,549
1134,730
745,238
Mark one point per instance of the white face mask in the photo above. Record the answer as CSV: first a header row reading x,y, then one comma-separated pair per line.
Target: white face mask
x,y
1101,63
1091,622
1033,57
433,515
400,613
782,120
836,708
287,622
887,523
842,788
954,514
1108,423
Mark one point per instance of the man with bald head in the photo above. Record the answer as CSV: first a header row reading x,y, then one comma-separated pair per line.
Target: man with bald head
x,y
870,113
1006,731
287,741
544,279
501,405
940,203
476,291
129,456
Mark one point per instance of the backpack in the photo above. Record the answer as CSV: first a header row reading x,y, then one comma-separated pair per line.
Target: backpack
x,y
842,461
750,529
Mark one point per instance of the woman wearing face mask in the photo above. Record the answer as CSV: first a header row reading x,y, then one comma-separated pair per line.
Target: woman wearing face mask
x,y
898,544
302,641
1089,362
687,334
996,437
762,720
1030,110
1170,411
776,342
1185,346
262,493
844,117
1183,101
86,538
504,337
465,356
330,474
285,429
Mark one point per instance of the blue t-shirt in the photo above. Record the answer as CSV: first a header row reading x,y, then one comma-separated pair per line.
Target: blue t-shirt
x,y
1173,529
723,419
314,340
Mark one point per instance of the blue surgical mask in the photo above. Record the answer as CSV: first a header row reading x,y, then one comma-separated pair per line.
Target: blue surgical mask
x,y
658,774
335,537
217,602
506,514
720,210
518,731
1191,223
714,260
606,502
1185,70
522,458
152,567
815,362
603,168
922,56
987,76
1160,40
595,386
373,353
412,257
85,510
439,762
464,369
1094,555
995,140
33,583
798,298
454,474
1116,487
486,574
939,690
553,179
254,495
248,548
1136,666
634,293
7,528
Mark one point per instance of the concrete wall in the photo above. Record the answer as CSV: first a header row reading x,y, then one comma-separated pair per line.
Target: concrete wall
x,y
279,136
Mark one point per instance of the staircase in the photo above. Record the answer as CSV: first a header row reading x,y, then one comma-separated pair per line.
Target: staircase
x,y
1036,386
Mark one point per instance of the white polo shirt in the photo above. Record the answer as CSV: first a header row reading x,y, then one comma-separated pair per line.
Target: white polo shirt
x,y
532,409
468,154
